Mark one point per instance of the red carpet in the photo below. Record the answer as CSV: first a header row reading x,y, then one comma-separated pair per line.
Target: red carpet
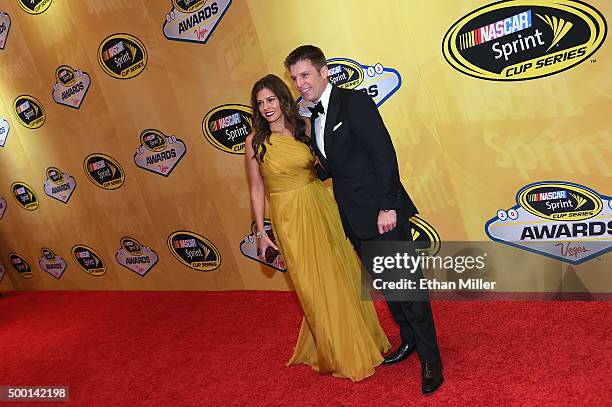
x,y
230,348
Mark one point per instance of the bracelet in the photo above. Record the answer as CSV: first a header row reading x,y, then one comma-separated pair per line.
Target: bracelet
x,y
259,235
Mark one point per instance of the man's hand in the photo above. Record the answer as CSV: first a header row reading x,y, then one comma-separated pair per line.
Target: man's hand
x,y
387,221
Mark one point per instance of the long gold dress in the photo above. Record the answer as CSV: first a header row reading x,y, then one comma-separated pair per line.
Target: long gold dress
x,y
340,333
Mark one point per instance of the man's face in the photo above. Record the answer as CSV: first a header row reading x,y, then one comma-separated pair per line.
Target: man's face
x,y
307,79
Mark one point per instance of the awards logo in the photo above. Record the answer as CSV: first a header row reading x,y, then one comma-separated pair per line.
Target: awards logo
x,y
5,25
136,257
194,20
557,219
52,263
71,86
4,131
159,153
59,185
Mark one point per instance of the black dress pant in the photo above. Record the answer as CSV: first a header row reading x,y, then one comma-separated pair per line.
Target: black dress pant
x,y
414,318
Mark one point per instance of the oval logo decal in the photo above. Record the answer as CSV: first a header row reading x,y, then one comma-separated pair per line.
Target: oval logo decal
x,y
153,140
25,196
524,39
345,73
122,56
560,201
104,171
425,236
29,111
187,6
34,6
194,251
20,265
88,260
227,126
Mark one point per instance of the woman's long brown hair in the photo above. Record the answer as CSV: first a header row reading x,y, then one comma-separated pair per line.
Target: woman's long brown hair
x,y
294,122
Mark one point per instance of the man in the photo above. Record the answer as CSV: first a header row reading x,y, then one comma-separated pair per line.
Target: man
x,y
354,148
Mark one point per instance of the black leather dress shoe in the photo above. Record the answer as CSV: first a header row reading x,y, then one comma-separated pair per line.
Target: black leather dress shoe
x,y
400,354
431,376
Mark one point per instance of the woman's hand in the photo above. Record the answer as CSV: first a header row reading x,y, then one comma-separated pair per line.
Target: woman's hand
x,y
262,245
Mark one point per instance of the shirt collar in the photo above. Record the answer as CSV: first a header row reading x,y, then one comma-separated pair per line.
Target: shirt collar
x,y
325,97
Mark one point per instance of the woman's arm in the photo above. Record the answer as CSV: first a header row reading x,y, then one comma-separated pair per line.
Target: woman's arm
x,y
256,184
257,190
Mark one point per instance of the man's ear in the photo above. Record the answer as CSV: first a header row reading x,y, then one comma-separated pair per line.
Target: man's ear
x,y
324,71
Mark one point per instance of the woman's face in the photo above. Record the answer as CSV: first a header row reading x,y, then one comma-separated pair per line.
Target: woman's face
x,y
268,105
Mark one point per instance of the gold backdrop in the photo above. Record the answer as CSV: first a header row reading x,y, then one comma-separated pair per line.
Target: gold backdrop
x,y
465,145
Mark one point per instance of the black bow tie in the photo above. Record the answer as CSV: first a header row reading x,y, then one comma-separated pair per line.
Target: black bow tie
x,y
317,110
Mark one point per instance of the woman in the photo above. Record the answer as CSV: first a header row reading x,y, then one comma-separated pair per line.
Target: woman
x,y
340,334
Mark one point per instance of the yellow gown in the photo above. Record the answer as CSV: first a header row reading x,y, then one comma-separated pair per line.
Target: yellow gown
x,y
340,332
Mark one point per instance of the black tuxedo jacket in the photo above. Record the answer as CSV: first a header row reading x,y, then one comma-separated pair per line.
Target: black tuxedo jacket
x,y
361,161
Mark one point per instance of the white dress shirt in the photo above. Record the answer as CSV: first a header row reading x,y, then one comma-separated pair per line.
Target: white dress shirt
x,y
320,121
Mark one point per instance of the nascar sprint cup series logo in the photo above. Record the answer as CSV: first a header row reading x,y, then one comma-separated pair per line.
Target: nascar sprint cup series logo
x,y
194,20
29,111
136,257
24,195
425,235
4,131
557,219
2,206
194,251
5,25
71,86
226,127
88,260
34,6
20,265
377,81
271,257
104,171
59,185
52,263
159,153
122,56
524,39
